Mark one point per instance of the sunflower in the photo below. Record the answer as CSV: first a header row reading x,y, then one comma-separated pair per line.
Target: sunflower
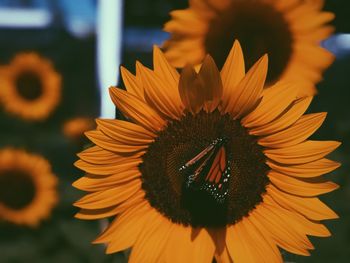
x,y
289,31
27,187
209,165
75,128
30,87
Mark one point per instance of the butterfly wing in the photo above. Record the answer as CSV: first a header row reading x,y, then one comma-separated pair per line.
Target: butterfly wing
x,y
216,180
209,170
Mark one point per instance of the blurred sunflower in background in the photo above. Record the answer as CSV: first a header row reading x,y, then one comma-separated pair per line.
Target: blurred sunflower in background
x,y
289,31
30,87
212,164
27,187
75,127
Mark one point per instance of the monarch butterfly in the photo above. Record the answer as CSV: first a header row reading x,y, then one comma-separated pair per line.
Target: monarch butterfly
x,y
209,170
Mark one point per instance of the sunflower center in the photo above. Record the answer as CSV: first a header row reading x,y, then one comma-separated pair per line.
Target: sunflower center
x,y
17,189
29,85
259,28
204,170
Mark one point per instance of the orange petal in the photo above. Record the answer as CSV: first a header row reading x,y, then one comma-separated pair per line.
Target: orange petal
x,y
87,214
110,197
97,155
285,120
246,244
92,214
313,55
123,231
299,222
109,144
300,187
269,221
305,152
158,95
92,184
297,133
200,249
309,207
131,83
151,241
183,18
249,89
307,170
107,169
232,73
179,233
224,257
211,83
190,90
275,100
311,21
169,74
135,109
125,132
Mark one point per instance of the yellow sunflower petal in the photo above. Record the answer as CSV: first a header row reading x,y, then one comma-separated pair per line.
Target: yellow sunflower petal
x,y
299,186
297,133
224,257
151,241
97,155
90,183
198,249
190,89
158,95
132,84
232,73
125,132
299,222
321,57
91,214
88,214
246,244
272,224
179,233
285,120
211,83
305,152
311,21
203,248
316,35
275,100
179,25
123,231
307,170
249,89
309,207
105,142
107,169
110,197
169,75
137,110
286,4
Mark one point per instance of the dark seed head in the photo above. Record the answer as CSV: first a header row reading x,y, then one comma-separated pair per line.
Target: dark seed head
x,y
166,182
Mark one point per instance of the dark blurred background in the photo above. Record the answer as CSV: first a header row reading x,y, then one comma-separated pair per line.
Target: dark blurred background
x,y
73,35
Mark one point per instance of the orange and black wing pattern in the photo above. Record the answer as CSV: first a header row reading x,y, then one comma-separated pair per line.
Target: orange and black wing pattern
x,y
209,170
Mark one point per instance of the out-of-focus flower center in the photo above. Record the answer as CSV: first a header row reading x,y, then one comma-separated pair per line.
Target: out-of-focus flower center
x,y
29,85
204,170
17,189
259,28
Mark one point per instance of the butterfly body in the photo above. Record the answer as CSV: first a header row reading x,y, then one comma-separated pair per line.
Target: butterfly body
x,y
209,170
